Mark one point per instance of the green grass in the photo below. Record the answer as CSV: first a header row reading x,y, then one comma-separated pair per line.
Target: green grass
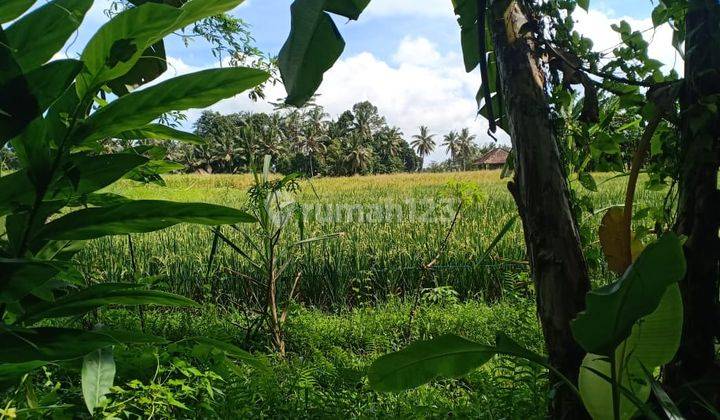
x,y
371,260
324,375
352,307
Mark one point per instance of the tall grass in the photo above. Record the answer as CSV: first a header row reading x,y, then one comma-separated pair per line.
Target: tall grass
x,y
371,260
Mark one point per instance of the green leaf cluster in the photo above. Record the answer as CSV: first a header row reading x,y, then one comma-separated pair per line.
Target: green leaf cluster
x,y
633,326
55,115
314,44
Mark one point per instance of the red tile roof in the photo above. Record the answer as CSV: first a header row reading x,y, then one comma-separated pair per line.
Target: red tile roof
x,y
496,156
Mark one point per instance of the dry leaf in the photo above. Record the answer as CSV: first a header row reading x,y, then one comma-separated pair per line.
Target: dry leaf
x,y
613,240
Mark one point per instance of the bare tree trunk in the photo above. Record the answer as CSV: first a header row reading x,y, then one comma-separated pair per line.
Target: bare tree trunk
x,y
699,203
540,190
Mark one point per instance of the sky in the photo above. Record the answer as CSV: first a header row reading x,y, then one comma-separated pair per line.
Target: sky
x,y
402,55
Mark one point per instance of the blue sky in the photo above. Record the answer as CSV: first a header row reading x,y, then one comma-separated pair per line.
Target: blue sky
x,y
403,55
381,28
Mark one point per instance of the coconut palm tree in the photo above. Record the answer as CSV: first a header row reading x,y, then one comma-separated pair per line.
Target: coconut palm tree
x,y
360,156
423,143
390,141
368,120
313,136
466,147
452,145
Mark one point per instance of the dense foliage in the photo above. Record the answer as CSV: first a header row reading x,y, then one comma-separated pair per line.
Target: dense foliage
x,y
603,289
307,141
603,345
54,116
304,141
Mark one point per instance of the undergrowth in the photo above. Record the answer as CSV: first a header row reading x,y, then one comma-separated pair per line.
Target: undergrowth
x,y
323,376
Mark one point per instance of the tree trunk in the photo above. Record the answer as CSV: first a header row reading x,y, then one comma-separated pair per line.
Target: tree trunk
x,y
699,204
541,193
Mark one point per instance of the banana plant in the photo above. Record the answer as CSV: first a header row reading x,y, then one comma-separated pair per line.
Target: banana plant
x,y
54,115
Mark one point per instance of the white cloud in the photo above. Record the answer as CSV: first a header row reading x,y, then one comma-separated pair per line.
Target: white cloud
x,y
416,51
421,87
596,26
427,8
433,91
419,84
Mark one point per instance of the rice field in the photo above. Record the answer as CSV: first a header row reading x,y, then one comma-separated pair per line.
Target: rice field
x,y
391,225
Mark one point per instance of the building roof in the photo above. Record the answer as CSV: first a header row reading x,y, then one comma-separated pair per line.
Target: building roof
x,y
496,156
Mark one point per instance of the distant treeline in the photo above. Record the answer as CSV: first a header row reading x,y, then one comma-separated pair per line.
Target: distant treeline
x,y
305,141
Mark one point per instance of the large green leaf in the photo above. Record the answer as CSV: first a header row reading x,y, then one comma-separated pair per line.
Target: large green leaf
x,y
151,64
19,277
448,356
117,45
656,338
15,190
596,391
92,173
12,9
466,10
311,49
151,171
97,374
196,90
138,217
57,20
101,295
653,342
614,309
10,371
198,9
9,68
470,47
32,149
50,344
160,132
26,97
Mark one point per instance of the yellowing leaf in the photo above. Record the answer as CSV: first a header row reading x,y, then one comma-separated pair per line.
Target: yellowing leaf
x,y
613,240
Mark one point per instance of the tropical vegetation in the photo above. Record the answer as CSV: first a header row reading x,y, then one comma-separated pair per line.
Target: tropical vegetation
x,y
257,289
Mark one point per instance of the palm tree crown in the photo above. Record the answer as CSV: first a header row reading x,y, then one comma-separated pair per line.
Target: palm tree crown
x,y
452,144
466,146
423,143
